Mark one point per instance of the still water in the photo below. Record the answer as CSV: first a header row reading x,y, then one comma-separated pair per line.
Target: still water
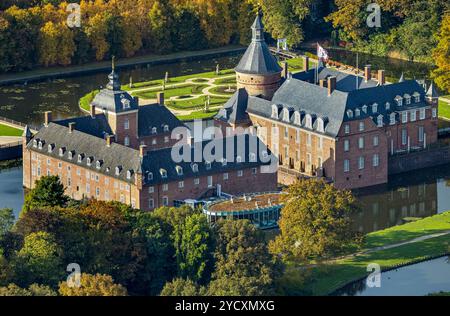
x,y
415,280
416,194
27,103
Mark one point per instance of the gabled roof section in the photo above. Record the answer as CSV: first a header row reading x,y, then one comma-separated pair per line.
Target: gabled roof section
x,y
235,110
97,126
156,116
90,147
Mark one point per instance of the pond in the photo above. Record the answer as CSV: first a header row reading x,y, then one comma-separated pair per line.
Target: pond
x,y
415,280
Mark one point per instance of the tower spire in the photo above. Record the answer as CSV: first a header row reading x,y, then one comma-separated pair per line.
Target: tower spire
x,y
113,78
258,29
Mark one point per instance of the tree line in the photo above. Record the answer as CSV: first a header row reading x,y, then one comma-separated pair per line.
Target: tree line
x,y
171,251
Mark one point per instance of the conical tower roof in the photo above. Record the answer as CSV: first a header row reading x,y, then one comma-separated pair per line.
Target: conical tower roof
x,y
432,92
258,59
402,78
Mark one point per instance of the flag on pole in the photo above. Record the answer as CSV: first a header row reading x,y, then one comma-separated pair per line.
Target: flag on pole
x,y
322,53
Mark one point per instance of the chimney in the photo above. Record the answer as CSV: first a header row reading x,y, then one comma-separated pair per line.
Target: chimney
x,y
367,73
381,77
285,72
160,98
47,118
92,111
71,127
142,150
109,140
306,63
322,83
331,85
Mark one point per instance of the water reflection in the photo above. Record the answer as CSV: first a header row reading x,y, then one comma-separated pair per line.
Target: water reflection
x,y
415,280
416,194
11,190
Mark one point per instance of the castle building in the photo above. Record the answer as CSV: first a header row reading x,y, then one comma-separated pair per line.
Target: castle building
x,y
125,152
327,123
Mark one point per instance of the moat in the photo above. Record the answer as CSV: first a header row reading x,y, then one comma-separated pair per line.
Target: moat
x,y
416,194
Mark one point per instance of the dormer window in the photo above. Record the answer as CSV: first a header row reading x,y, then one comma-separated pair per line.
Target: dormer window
x,y
407,99
416,97
61,152
89,161
320,125
179,170
80,158
40,144
392,119
163,173
71,154
129,174
35,143
286,115
357,112
166,128
118,170
50,148
194,167
380,121
364,108
297,118
208,165
388,106
150,176
98,164
154,130
125,103
308,121
275,111
374,108
399,100
349,113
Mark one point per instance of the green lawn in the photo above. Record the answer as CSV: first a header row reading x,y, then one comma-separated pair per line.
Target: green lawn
x,y
444,109
327,278
195,103
85,102
183,90
197,115
6,130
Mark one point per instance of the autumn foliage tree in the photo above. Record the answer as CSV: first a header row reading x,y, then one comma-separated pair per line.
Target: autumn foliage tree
x,y
93,285
441,54
315,222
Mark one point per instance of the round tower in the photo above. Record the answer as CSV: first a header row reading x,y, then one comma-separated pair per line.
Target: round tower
x,y
258,71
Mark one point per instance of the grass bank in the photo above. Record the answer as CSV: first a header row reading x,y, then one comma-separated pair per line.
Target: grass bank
x,y
198,115
444,110
328,277
6,130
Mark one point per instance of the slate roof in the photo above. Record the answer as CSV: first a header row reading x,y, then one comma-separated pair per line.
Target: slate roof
x,y
235,109
307,98
115,101
89,146
97,126
156,160
258,59
158,116
432,92
344,81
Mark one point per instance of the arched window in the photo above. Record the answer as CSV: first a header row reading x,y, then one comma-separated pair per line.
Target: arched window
x,y
308,121
374,108
89,161
80,158
150,176
364,108
194,167
320,125
297,118
357,112
179,170
380,121
163,173
286,115
166,128
118,169
274,111
98,164
399,100
349,113
125,103
154,130
388,106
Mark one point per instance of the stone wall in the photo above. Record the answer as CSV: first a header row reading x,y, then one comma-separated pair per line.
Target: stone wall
x,y
418,160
